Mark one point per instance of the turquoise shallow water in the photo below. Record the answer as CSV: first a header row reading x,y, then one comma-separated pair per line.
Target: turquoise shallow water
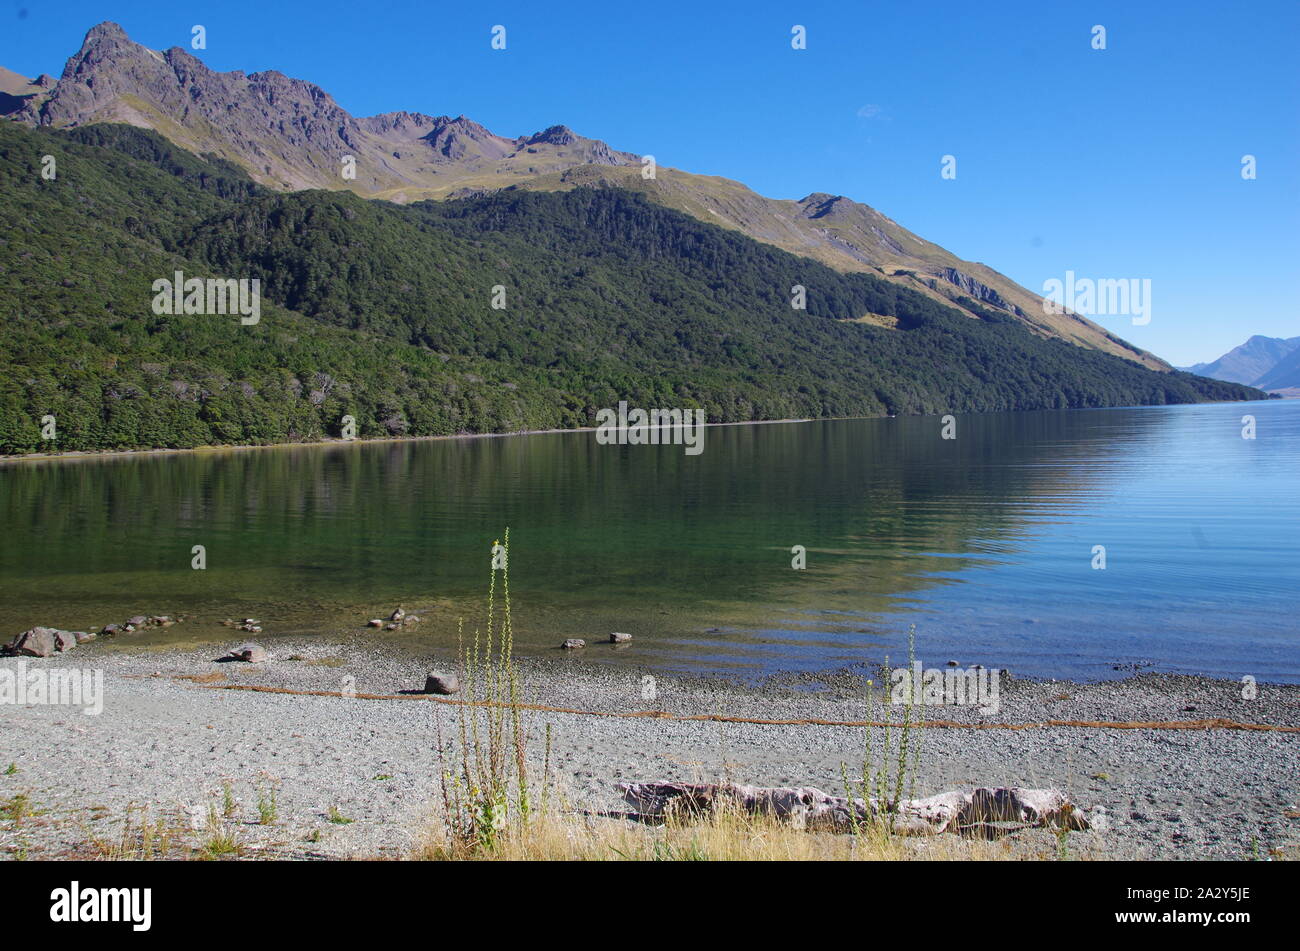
x,y
984,542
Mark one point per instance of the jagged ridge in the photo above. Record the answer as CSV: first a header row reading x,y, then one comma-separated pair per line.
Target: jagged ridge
x,y
291,134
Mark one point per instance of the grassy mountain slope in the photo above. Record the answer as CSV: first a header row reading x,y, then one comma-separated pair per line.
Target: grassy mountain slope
x,y
852,237
289,134
382,312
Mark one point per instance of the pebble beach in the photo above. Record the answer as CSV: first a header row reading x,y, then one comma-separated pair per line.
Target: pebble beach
x,y
346,742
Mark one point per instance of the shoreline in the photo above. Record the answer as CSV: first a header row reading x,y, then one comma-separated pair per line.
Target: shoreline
x,y
78,454
194,634
178,726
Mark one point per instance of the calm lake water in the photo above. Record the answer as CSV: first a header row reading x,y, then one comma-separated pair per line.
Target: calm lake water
x,y
984,542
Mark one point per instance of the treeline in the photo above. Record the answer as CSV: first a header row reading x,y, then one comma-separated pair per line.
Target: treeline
x,y
384,313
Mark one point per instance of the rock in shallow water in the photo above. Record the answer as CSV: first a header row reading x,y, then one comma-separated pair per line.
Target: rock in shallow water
x,y
573,643
619,637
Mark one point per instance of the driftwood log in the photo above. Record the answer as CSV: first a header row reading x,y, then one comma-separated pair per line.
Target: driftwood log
x,y
984,811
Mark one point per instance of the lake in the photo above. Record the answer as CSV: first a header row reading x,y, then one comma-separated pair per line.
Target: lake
x,y
986,542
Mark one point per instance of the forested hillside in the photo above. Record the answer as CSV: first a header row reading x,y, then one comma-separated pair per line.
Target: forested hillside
x,y
383,312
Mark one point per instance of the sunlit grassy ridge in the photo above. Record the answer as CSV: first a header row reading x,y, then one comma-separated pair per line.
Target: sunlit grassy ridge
x,y
383,313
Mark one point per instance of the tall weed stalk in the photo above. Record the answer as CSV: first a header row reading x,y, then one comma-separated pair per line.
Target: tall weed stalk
x,y
885,777
486,788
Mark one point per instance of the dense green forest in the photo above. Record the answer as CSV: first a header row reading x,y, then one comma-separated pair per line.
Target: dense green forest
x,y
384,312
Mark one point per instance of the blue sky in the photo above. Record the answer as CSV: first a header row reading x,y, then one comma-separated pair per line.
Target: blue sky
x,y
1120,163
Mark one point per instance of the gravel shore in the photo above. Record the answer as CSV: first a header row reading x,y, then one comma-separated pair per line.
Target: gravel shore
x,y
175,744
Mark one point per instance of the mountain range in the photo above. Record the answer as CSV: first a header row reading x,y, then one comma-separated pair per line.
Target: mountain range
x,y
1270,363
289,134
381,317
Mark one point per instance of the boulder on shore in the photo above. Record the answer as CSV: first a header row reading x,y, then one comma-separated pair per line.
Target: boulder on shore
x,y
64,640
44,641
985,810
249,653
36,642
440,683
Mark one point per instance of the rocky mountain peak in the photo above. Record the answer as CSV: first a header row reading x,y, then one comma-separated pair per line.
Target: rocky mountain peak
x,y
821,204
555,135
106,32
104,43
290,133
463,139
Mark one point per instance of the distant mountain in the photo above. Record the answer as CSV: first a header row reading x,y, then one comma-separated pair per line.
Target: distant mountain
x,y
1256,363
384,313
290,135
1285,374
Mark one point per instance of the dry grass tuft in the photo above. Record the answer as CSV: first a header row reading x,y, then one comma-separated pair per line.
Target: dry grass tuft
x,y
724,836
